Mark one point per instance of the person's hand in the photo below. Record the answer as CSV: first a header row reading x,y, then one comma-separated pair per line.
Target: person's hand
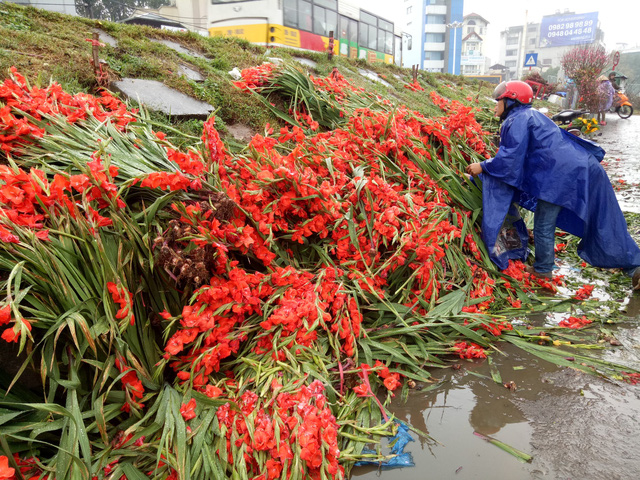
x,y
474,169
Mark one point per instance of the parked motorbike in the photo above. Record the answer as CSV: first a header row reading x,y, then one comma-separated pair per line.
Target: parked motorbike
x,y
621,105
566,117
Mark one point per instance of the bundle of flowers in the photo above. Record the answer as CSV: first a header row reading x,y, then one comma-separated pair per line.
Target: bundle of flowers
x,y
586,126
199,314
414,86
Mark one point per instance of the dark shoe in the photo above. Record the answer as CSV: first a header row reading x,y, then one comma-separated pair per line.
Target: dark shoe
x,y
532,271
635,280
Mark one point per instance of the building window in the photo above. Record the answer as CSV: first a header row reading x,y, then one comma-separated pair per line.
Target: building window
x,y
409,9
471,22
434,55
512,53
532,28
546,61
434,38
513,40
510,63
471,30
436,19
533,41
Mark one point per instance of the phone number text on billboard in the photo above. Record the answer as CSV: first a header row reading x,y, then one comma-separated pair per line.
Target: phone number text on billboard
x,y
562,30
568,33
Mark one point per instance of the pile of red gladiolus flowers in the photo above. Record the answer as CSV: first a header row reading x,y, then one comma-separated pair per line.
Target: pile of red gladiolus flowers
x,y
202,314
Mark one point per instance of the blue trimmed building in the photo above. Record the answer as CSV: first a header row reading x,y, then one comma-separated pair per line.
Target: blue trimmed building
x,y
433,30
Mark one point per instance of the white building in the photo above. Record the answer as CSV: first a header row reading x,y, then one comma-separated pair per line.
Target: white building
x,y
435,30
518,43
60,6
191,13
473,60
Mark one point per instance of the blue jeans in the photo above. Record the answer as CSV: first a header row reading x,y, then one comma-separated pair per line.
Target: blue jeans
x,y
544,235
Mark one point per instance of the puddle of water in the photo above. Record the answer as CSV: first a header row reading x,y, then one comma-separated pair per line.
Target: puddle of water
x,y
573,424
463,404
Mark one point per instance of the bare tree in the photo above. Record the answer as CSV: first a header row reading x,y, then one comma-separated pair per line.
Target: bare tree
x,y
583,64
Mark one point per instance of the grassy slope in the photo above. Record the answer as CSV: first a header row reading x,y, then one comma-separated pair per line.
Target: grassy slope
x,y
45,45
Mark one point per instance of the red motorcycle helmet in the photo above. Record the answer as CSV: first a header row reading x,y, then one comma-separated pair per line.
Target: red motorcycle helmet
x,y
515,90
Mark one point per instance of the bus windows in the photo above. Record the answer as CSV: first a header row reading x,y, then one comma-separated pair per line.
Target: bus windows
x,y
372,42
290,13
375,33
353,31
344,28
304,16
363,35
332,4
324,21
318,20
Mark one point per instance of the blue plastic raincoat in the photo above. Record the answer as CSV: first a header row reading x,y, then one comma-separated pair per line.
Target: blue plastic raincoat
x,y
539,160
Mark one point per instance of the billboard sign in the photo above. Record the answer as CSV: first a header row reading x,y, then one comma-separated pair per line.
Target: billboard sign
x,y
563,30
472,60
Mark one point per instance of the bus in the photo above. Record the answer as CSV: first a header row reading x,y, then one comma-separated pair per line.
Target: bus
x,y
307,25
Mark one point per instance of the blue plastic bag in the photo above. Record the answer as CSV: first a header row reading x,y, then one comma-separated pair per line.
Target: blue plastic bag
x,y
398,442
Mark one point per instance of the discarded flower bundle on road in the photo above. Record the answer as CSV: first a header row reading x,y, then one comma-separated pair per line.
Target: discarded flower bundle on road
x,y
198,314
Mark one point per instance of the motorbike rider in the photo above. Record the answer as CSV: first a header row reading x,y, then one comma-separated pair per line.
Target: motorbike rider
x,y
614,84
558,176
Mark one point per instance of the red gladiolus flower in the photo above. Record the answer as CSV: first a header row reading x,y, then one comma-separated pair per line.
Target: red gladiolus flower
x,y
10,335
122,297
361,390
384,372
188,410
274,468
583,292
575,322
632,378
469,350
414,86
5,314
392,381
6,472
131,384
8,237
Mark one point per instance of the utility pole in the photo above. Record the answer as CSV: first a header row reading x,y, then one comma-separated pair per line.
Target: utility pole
x,y
523,48
454,26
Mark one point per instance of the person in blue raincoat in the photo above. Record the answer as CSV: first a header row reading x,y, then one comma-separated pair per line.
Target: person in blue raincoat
x,y
558,176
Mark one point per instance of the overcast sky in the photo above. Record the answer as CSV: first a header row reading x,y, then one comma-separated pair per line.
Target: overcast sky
x,y
619,19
